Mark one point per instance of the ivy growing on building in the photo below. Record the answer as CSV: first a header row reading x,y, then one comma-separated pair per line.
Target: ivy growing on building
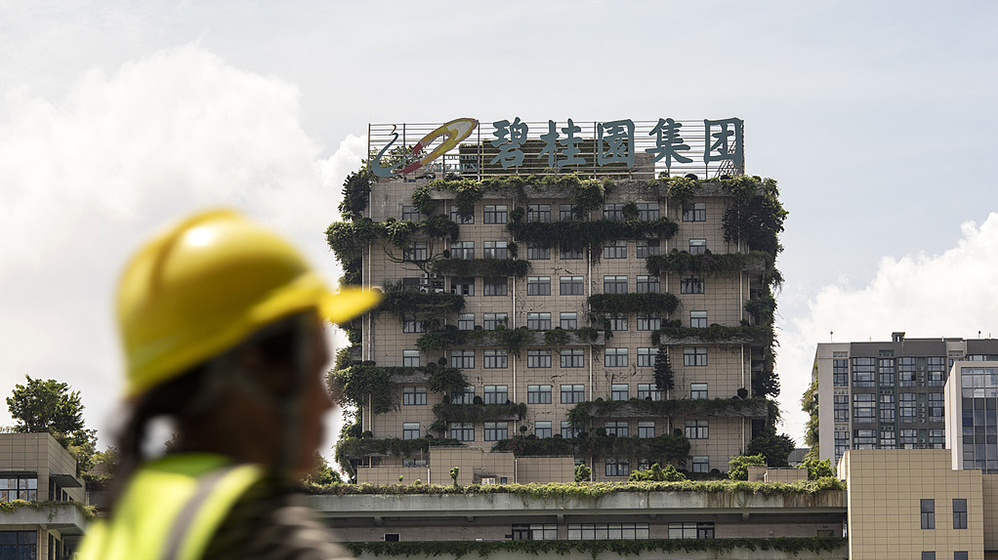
x,y
607,304
498,268
588,235
479,413
582,414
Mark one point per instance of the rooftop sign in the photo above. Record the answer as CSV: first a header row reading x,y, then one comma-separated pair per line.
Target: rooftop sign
x,y
619,147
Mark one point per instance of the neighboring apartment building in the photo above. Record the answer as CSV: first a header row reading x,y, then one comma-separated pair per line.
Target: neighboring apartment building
x,y
556,300
36,468
972,414
887,395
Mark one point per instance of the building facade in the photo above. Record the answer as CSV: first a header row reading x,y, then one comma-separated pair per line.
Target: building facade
x,y
615,322
888,395
972,414
36,468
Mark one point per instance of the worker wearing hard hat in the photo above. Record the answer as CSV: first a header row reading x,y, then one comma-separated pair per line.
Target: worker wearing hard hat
x,y
221,321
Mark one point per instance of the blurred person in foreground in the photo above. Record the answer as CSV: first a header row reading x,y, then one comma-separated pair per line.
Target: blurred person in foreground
x,y
221,322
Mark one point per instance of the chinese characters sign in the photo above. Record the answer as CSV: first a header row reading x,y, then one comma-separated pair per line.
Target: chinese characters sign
x,y
514,146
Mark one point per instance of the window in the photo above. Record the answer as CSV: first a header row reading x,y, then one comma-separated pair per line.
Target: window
x,y
907,370
410,358
539,359
646,429
615,357
928,508
648,323
495,431
617,466
864,408
463,397
535,532
538,253
908,439
566,212
697,530
18,488
539,321
410,430
571,254
695,212
538,394
615,249
538,213
698,246
863,372
959,513
495,250
887,410
935,407
542,429
462,286
701,464
615,284
885,370
695,356
457,216
648,285
413,395
649,392
698,390
696,429
613,212
495,286
864,439
571,285
496,214
619,392
698,319
616,428
496,394
465,321
571,394
411,325
960,555
410,213
416,252
22,545
937,371
691,286
647,357
888,438
646,248
462,250
602,531
568,320
573,358
462,431
568,430
841,443
928,555
463,359
647,211
617,322
538,285
840,373
841,404
492,320
496,359
937,438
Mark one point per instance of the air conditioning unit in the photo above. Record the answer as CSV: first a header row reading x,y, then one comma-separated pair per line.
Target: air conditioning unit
x,y
424,290
438,290
424,281
424,275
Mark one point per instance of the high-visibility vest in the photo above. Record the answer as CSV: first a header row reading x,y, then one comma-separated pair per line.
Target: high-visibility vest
x,y
170,509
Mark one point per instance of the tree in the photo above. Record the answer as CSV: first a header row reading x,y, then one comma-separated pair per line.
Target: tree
x,y
738,466
818,469
49,406
775,448
322,474
809,404
582,473
664,375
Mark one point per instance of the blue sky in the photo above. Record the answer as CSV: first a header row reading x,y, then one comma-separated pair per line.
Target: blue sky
x,y
877,119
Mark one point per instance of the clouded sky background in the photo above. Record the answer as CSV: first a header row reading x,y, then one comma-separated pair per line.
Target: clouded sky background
x,y
877,119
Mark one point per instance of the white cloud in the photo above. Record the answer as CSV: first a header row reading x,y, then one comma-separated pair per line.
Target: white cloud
x,y
954,294
86,178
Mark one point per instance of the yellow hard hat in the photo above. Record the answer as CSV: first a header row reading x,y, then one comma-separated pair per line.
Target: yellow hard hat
x,y
206,284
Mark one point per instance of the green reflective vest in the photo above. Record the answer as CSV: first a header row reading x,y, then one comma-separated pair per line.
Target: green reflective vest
x,y
170,509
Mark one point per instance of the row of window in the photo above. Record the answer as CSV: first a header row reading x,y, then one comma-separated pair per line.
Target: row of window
x,y
928,513
570,285
498,358
542,321
610,531
890,372
499,213
541,394
419,251
957,555
495,431
887,438
869,407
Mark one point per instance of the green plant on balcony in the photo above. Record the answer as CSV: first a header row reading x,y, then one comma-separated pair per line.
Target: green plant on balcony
x,y
481,267
758,335
604,304
407,303
589,235
582,414
478,413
